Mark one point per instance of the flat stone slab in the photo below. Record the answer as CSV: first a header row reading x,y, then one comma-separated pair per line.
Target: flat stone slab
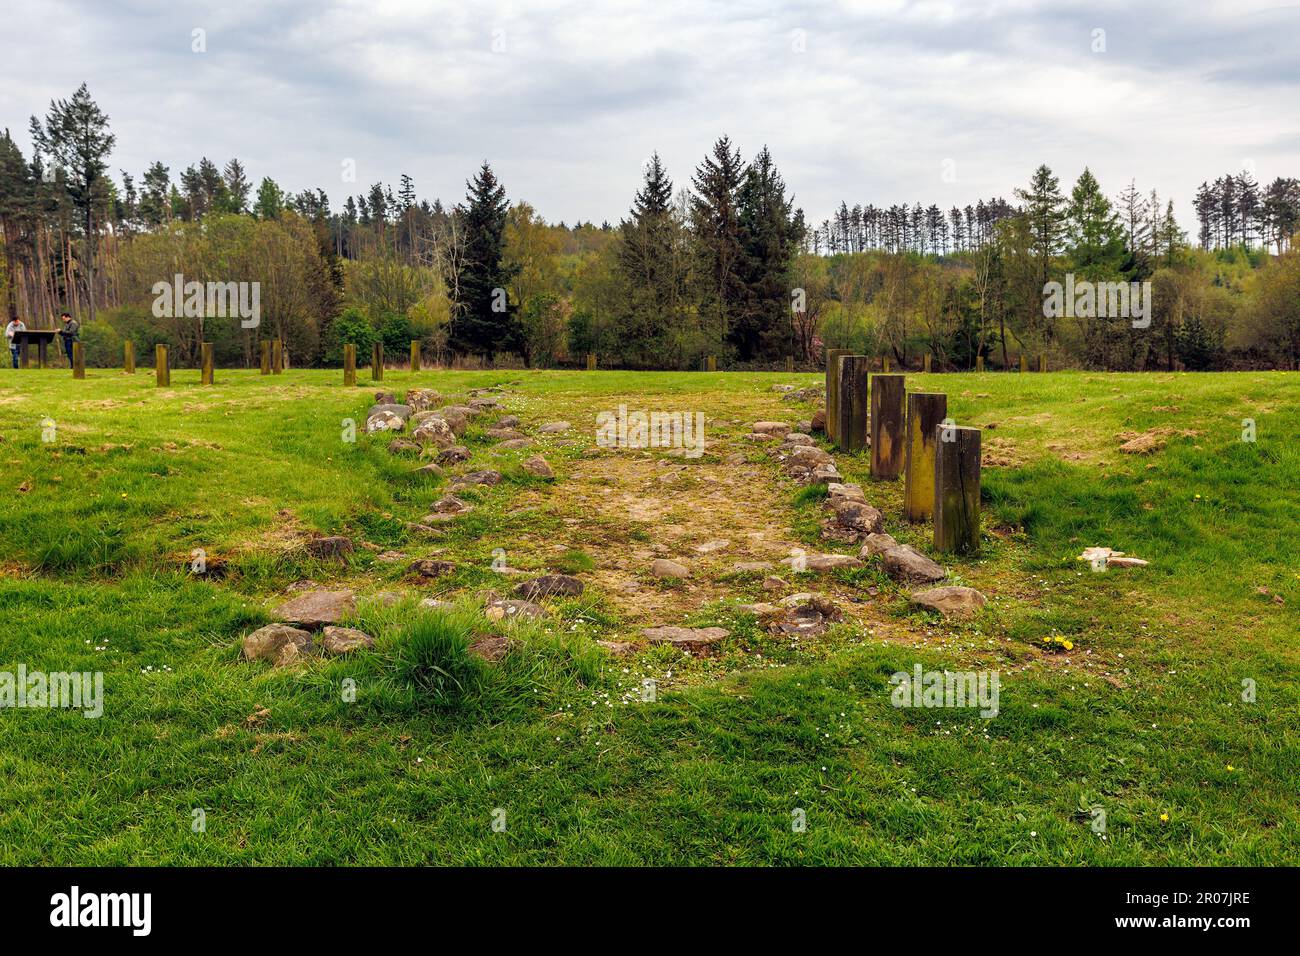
x,y
664,568
825,562
905,563
687,638
312,609
278,643
509,610
951,601
549,585
345,640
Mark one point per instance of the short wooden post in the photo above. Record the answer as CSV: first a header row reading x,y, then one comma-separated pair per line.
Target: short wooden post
x,y
1042,362
884,364
789,364
1024,362
852,407
162,371
78,360
591,361
128,357
277,356
833,388
887,433
927,361
377,362
265,348
925,410
349,364
205,363
713,363
415,356
25,355
979,363
957,490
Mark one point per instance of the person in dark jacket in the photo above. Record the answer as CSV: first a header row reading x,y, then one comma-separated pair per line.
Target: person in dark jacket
x,y
71,329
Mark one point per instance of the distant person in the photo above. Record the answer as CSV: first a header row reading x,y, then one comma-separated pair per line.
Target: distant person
x,y
71,329
15,325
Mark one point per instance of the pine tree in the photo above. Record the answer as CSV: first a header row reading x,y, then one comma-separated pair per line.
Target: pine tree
x,y
1096,245
772,231
715,217
238,187
270,200
483,320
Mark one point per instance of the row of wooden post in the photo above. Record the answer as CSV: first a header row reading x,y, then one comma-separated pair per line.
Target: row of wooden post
x,y
911,435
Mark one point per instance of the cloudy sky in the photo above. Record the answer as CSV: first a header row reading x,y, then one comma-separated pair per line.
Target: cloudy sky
x,y
866,100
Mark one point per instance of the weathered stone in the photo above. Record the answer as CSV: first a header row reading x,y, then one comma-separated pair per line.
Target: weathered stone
x,y
664,568
687,638
515,444
554,428
455,418
401,411
549,585
847,491
434,431
779,429
504,434
333,546
422,398
708,547
875,544
399,446
537,466
818,423
454,455
809,456
435,604
798,438
774,583
345,640
824,562
856,515
269,643
619,648
430,470
391,557
313,609
824,474
510,610
905,563
508,421
951,601
486,477
451,505
384,421
431,568
490,647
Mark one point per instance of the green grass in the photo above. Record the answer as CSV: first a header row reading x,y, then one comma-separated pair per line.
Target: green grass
x,y
1144,719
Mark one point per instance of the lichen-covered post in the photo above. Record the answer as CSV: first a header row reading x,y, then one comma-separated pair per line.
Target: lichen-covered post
x,y
833,388
205,363
265,348
415,356
128,357
925,410
277,356
887,434
349,364
162,371
852,407
377,362
957,490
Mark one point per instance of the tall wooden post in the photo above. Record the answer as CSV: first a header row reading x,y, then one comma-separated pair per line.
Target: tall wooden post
x,y
265,348
277,356
927,361
1042,362
377,362
205,363
128,357
979,363
887,433
833,389
852,407
1024,362
349,364
162,371
78,360
957,490
925,411
415,356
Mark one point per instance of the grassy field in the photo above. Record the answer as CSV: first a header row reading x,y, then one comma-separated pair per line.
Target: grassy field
x,y
111,485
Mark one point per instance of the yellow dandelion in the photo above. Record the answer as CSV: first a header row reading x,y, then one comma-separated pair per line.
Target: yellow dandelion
x,y
1231,768
1069,645
1164,818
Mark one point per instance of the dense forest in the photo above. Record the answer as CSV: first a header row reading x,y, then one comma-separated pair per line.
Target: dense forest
x,y
722,264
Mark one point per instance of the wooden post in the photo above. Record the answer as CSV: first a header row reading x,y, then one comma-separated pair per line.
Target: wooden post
x,y
1042,362
377,362
979,363
927,361
205,363
25,355
851,429
78,360
265,347
415,356
1024,362
349,364
162,371
713,363
591,361
789,364
277,356
884,364
887,434
128,357
957,490
833,389
925,411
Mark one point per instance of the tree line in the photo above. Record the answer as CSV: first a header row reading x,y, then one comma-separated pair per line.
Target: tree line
x,y
719,263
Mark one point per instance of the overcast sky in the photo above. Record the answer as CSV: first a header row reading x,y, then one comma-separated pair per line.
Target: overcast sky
x,y
864,100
